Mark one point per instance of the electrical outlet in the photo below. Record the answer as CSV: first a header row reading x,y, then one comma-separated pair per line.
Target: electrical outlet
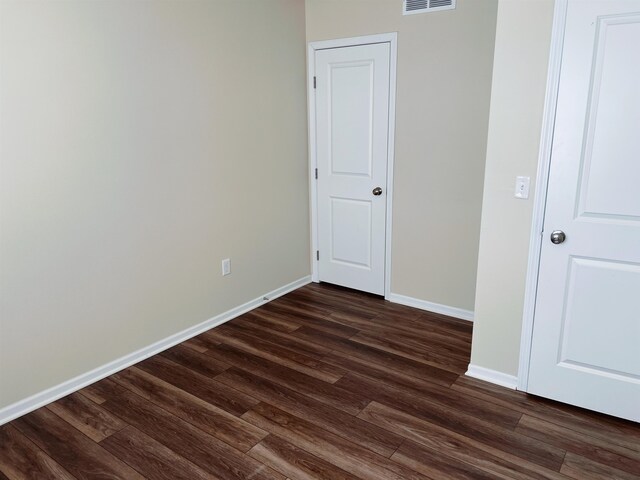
x,y
226,266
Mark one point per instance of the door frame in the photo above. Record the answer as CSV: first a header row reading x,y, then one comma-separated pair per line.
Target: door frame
x,y
540,196
392,40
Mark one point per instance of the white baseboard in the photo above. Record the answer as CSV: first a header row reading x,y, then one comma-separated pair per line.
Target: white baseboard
x,y
431,307
52,394
493,376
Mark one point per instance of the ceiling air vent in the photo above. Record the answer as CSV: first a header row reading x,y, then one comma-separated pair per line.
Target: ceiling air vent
x,y
409,7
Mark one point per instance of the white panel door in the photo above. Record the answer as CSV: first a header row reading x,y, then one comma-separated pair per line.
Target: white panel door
x,y
586,337
352,124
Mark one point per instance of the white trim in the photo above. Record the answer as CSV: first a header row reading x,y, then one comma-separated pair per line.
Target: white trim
x,y
52,394
393,62
540,197
431,307
492,376
392,39
313,190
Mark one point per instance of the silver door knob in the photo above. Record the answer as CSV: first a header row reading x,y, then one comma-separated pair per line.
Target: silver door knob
x,y
557,237
377,191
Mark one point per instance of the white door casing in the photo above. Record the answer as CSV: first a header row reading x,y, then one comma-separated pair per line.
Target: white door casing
x,y
585,347
352,127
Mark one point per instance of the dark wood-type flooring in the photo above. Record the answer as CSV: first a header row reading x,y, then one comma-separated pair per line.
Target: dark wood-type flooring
x,y
321,383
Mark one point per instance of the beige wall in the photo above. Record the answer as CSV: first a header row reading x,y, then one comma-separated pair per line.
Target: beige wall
x,y
141,143
444,81
519,80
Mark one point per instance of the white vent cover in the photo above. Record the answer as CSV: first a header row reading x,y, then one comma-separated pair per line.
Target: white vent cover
x,y
409,7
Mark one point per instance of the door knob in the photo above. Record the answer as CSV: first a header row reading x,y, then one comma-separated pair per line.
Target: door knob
x,y
557,237
377,191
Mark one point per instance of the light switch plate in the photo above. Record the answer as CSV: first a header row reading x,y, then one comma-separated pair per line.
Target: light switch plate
x,y
226,266
522,187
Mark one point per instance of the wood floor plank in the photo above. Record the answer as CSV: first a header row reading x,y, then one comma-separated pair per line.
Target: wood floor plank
x,y
209,418
329,289
324,300
207,342
450,323
198,385
305,316
94,392
355,320
386,312
428,462
195,344
295,462
271,320
196,361
592,448
22,459
417,329
581,468
405,319
338,296
608,429
453,447
75,452
383,373
437,357
373,355
151,458
347,401
365,307
422,337
92,420
287,306
316,307
303,347
278,354
398,318
481,430
324,416
200,448
500,415
334,449
322,306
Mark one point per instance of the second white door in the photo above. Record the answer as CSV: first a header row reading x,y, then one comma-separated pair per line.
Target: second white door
x,y
586,336
352,125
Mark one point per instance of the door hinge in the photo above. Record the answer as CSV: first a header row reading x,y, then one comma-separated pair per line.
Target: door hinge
x,y
316,173
314,82
317,254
